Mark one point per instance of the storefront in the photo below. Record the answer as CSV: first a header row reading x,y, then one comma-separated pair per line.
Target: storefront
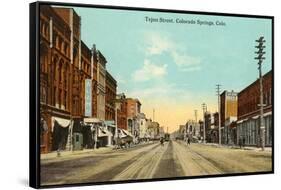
x,y
60,133
249,130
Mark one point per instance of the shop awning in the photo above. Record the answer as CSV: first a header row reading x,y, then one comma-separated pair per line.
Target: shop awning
x,y
240,121
104,132
61,121
92,120
256,117
127,133
268,113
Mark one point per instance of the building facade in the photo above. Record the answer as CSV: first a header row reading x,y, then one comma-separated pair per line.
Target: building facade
x,y
153,129
143,126
122,112
248,121
72,79
192,130
211,127
133,116
101,85
228,111
110,96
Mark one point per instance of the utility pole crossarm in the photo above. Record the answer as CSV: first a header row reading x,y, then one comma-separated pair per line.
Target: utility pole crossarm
x,y
260,53
218,94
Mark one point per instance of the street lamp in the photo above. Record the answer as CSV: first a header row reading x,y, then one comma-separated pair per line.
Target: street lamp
x,y
260,59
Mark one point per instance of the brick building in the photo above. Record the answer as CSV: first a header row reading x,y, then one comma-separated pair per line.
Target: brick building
x,y
110,96
101,85
65,63
122,112
228,110
248,122
133,111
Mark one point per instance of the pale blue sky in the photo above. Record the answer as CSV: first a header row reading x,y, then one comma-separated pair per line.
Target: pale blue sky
x,y
175,64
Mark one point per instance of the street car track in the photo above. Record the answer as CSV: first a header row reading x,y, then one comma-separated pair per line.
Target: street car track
x,y
200,165
144,166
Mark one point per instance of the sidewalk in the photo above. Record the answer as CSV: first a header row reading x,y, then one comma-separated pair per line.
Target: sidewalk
x,y
67,155
267,149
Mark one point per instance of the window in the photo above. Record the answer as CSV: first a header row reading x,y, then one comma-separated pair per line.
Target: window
x,y
60,93
269,96
55,96
65,99
77,138
43,97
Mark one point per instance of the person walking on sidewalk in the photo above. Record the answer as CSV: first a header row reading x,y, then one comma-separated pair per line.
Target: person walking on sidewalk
x,y
240,142
243,140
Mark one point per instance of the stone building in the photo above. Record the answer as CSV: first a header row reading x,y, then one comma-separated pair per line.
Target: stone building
x,y
143,126
153,129
248,121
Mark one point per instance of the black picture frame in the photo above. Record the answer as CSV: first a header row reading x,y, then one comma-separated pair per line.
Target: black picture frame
x,y
34,93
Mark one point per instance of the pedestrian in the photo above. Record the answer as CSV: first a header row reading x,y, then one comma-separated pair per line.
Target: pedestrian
x,y
188,141
240,142
244,140
162,141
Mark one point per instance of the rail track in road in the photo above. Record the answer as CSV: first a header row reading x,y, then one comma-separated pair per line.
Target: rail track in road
x,y
193,163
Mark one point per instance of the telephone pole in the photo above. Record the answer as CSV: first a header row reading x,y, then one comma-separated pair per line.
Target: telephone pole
x,y
195,113
260,59
219,111
204,107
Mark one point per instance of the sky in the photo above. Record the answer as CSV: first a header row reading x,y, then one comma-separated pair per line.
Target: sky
x,y
174,67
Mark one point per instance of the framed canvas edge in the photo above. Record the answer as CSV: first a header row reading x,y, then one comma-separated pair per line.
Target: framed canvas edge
x,y
34,93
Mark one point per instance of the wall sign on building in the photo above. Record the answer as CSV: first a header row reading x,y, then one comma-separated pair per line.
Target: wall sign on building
x,y
88,97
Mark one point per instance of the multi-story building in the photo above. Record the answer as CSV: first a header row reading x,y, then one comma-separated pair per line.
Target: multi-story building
x,y
143,126
153,128
211,127
201,127
71,75
101,85
228,111
133,111
55,78
248,121
192,129
94,77
181,132
122,112
110,96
